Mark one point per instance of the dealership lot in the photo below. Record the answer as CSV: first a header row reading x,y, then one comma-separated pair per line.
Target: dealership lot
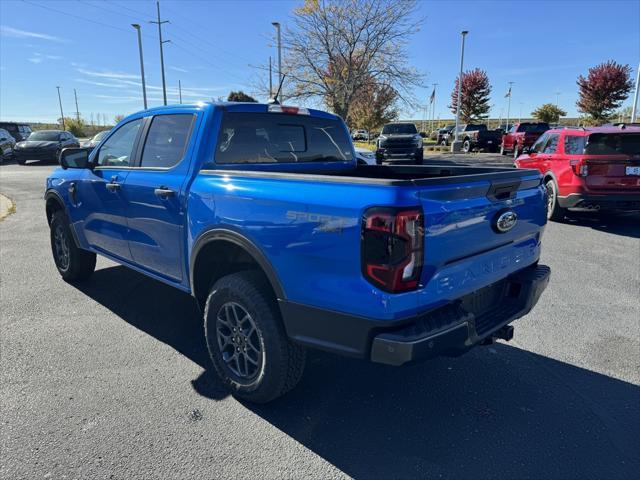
x,y
111,378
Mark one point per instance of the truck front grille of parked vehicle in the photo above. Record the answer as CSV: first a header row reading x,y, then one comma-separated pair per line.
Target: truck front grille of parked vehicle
x,y
392,248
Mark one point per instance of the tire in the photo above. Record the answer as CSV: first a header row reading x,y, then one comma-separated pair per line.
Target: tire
x,y
516,152
419,157
267,364
502,150
21,160
466,146
554,211
72,262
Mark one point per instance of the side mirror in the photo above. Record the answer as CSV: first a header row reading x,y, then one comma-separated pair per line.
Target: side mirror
x,y
74,158
423,134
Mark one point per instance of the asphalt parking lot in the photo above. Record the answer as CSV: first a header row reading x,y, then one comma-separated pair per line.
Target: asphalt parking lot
x,y
111,379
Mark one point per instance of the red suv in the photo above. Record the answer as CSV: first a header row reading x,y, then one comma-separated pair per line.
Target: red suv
x,y
588,168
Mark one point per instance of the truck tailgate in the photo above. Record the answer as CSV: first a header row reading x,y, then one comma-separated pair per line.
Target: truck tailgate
x,y
464,248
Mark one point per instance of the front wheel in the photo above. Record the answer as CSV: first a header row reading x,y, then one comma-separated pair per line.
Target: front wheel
x,y
247,343
502,150
21,160
466,146
554,211
516,152
72,262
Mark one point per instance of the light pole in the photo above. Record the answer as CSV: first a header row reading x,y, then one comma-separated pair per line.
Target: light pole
x,y
180,90
144,85
557,97
520,116
455,145
277,25
634,109
160,22
61,112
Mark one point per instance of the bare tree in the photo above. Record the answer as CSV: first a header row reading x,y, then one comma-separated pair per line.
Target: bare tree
x,y
337,48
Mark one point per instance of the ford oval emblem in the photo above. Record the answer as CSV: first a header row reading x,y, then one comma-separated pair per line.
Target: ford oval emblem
x,y
505,220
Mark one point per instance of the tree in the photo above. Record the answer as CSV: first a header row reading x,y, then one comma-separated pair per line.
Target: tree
x,y
118,118
476,92
548,113
74,125
337,48
603,90
240,96
373,106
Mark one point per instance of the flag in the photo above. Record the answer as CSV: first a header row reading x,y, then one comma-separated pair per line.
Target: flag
x,y
508,93
433,96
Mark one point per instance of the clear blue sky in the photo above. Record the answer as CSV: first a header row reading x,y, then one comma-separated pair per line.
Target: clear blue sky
x,y
89,45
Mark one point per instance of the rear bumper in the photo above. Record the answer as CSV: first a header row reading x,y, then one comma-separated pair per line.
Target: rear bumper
x,y
600,202
448,330
485,143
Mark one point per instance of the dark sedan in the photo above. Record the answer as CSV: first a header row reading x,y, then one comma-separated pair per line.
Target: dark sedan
x,y
44,145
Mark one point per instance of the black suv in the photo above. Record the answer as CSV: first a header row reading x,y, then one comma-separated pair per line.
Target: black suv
x,y
19,131
399,142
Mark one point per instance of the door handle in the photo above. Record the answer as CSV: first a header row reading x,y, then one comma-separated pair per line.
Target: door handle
x,y
112,187
164,192
72,192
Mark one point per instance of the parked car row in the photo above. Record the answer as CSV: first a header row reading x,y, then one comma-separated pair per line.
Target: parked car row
x,y
587,168
43,145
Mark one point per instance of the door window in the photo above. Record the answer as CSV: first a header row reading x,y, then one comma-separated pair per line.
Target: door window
x,y
118,149
573,145
167,140
540,143
552,144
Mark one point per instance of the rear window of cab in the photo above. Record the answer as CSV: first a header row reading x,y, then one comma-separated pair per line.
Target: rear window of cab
x,y
247,138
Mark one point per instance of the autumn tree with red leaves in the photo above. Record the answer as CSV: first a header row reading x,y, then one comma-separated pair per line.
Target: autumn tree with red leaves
x,y
603,90
373,106
476,92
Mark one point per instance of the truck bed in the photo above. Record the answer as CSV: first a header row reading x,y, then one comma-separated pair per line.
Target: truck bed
x,y
391,175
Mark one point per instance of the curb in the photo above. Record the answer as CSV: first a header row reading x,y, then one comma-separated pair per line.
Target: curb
x,y
7,206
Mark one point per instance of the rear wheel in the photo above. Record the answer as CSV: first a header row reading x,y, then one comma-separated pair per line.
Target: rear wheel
x,y
247,342
72,262
502,150
21,160
466,146
516,152
554,211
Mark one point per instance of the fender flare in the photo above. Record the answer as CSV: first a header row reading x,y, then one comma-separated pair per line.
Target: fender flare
x,y
551,175
228,235
53,194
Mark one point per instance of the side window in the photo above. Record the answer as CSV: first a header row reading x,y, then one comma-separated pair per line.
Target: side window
x,y
117,150
552,144
167,140
573,145
539,145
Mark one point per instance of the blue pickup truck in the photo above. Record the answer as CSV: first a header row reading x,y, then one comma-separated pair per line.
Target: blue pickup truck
x,y
263,215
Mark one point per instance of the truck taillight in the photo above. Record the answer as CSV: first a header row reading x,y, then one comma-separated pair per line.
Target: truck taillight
x,y
392,247
580,168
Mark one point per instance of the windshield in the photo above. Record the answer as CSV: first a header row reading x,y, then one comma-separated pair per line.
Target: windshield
x,y
281,138
613,144
533,127
99,136
402,128
45,136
